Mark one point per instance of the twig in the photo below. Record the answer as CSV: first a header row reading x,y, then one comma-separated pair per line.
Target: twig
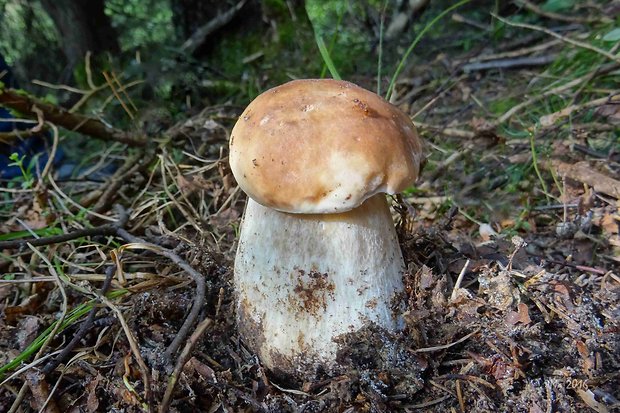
x,y
181,361
559,36
198,278
27,367
131,166
552,92
515,53
110,83
123,89
107,229
52,270
459,18
459,395
555,16
219,21
135,350
9,137
86,325
426,404
60,87
583,268
509,63
467,377
457,133
549,120
459,280
75,204
62,117
52,155
445,346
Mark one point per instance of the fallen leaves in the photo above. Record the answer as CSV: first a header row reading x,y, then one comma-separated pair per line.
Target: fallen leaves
x,y
583,172
522,315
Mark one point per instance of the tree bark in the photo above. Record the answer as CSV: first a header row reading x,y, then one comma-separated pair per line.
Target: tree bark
x,y
83,26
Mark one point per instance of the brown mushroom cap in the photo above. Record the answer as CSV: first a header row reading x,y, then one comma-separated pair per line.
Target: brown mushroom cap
x,y
322,146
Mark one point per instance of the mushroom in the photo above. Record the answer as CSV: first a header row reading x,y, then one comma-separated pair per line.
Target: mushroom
x,y
318,255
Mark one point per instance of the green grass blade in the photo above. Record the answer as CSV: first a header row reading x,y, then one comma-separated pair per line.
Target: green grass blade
x,y
415,42
32,348
71,318
380,58
333,41
43,232
325,55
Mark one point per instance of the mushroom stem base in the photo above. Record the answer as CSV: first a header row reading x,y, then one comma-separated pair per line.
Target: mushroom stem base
x,y
305,280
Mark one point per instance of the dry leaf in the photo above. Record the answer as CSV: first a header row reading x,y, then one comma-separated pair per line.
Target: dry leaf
x,y
610,223
92,402
486,232
583,172
588,397
522,315
610,111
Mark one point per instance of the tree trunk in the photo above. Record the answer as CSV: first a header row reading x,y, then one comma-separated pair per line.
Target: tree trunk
x,y
83,26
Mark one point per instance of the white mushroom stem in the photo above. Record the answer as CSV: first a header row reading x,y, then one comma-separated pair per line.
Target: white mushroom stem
x,y
304,280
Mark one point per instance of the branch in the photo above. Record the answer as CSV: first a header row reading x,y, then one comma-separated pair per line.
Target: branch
x,y
84,328
102,230
219,21
600,70
181,361
556,16
199,279
577,43
509,63
25,105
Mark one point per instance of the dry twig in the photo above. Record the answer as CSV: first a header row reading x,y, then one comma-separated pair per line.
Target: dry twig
x,y
555,16
86,325
92,127
199,295
559,36
102,230
135,350
181,361
552,92
200,35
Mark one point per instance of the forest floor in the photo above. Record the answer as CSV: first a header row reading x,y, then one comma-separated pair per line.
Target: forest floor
x,y
511,241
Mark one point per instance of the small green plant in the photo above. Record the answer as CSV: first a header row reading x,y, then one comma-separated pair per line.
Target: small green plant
x,y
28,178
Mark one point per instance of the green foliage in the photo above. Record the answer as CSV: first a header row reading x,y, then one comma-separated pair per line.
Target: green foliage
x,y
613,35
350,43
25,27
415,42
43,232
558,5
141,24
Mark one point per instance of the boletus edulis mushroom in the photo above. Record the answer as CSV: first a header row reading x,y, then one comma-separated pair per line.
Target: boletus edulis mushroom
x,y
318,255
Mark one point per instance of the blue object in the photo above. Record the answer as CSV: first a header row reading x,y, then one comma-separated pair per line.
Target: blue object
x,y
34,148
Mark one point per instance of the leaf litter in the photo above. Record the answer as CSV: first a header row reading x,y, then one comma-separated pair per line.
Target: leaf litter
x,y
512,281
